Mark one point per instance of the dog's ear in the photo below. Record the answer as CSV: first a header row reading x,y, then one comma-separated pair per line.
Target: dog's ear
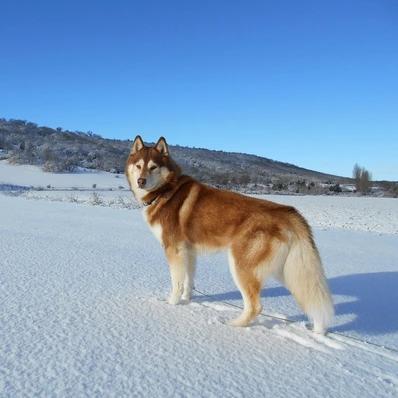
x,y
138,144
162,147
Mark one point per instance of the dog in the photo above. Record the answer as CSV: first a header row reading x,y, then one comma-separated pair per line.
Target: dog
x,y
263,238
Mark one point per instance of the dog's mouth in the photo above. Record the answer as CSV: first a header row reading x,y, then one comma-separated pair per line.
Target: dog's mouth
x,y
148,187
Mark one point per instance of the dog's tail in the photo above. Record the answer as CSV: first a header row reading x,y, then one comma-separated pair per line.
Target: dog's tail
x,y
304,276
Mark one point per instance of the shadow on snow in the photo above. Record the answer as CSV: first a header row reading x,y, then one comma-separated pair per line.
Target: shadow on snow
x,y
375,298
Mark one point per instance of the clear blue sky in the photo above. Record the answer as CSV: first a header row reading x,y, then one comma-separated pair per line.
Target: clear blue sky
x,y
313,83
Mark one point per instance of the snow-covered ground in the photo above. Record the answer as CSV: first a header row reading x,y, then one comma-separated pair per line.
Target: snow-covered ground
x,y
370,214
82,293
34,176
379,215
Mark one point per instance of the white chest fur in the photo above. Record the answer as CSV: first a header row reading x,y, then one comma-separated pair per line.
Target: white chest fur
x,y
155,228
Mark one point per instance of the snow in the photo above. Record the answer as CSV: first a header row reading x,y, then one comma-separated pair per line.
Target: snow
x,y
26,175
83,310
368,214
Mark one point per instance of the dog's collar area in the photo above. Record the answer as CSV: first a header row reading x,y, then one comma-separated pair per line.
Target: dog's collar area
x,y
165,191
149,202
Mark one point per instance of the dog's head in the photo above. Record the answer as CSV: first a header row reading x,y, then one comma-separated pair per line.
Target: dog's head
x,y
149,168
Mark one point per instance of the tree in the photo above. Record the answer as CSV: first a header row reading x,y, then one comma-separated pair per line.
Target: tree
x,y
362,178
356,174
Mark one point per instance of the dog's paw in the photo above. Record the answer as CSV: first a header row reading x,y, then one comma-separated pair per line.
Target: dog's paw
x,y
239,322
173,299
186,298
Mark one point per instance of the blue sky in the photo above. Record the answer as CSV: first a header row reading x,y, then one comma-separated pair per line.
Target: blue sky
x,y
313,83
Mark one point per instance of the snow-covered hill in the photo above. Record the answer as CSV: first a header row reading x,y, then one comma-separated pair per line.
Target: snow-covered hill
x,y
60,150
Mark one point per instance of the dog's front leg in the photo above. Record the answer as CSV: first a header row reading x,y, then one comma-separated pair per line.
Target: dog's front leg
x,y
176,257
189,274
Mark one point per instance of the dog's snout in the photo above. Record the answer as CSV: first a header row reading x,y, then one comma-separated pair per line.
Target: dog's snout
x,y
141,182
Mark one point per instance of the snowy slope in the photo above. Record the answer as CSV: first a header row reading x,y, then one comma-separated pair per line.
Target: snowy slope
x,y
27,175
82,314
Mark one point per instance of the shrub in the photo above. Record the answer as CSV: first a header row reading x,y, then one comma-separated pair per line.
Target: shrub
x,y
335,188
96,199
279,186
73,198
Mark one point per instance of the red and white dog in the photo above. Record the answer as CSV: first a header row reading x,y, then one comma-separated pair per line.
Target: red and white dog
x,y
263,238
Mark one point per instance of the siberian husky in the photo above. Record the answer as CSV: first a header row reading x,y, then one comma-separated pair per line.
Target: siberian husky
x,y
263,238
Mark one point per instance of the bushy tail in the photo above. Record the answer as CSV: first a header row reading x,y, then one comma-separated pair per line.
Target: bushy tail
x,y
304,276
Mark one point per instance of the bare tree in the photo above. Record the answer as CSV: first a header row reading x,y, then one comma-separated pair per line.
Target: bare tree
x,y
362,177
356,174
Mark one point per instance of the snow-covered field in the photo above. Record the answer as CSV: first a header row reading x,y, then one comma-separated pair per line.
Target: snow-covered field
x,y
370,214
82,293
26,175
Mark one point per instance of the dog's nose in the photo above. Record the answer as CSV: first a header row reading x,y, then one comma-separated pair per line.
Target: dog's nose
x,y
141,182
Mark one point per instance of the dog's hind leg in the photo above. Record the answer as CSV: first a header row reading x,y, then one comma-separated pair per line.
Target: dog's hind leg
x,y
190,274
251,261
249,284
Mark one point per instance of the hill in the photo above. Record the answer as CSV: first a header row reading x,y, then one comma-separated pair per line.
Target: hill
x,y
59,150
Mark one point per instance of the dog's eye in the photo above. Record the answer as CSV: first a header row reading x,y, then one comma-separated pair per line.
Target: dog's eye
x,y
138,166
153,168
